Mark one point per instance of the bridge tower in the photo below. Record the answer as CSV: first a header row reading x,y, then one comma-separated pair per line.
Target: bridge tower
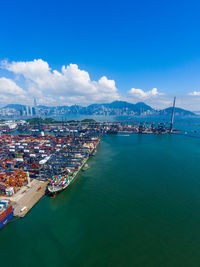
x,y
172,117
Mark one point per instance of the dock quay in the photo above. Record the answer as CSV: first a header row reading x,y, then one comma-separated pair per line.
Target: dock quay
x,y
27,197
98,128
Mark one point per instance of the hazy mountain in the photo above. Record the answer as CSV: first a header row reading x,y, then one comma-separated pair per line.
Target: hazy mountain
x,y
114,108
118,107
178,111
15,106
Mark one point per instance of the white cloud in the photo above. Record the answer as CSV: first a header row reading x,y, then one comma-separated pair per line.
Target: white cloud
x,y
195,93
10,92
7,86
70,84
141,94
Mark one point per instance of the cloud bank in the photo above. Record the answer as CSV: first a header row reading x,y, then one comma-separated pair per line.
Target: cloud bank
x,y
70,85
10,87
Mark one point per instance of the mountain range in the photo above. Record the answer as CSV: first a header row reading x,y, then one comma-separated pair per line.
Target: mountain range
x,y
114,108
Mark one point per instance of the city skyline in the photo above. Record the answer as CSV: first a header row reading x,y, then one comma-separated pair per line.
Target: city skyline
x,y
116,108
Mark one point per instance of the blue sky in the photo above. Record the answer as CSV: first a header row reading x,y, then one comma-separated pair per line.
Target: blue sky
x,y
140,45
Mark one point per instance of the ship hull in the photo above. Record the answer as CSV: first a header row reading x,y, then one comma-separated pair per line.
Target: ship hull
x,y
6,220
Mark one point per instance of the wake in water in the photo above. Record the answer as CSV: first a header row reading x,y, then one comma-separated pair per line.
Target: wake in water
x,y
188,134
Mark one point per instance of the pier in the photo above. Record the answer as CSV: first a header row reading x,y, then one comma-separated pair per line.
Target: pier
x,y
27,197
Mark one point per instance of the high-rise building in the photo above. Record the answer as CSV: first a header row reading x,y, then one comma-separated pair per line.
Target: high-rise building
x,y
27,111
35,102
31,111
35,106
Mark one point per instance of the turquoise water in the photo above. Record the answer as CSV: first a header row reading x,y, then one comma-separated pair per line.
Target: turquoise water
x,y
138,204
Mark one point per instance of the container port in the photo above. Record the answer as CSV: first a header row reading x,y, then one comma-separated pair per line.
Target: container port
x,y
46,158
34,165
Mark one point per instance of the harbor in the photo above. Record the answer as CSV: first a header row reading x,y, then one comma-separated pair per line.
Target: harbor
x,y
100,134
90,127
113,200
43,160
34,166
46,159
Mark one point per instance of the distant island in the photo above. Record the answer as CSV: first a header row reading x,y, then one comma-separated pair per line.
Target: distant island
x,y
116,108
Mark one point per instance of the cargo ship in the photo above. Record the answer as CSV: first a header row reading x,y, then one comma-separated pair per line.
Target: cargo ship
x,y
61,182
75,162
6,212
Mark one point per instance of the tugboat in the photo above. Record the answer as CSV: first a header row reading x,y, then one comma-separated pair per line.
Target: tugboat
x,y
6,212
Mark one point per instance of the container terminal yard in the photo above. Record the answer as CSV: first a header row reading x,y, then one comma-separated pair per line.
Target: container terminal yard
x,y
86,126
31,166
46,158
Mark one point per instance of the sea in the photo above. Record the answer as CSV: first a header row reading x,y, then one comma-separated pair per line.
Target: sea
x,y
138,204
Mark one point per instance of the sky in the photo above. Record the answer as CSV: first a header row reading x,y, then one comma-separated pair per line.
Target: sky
x,y
84,52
